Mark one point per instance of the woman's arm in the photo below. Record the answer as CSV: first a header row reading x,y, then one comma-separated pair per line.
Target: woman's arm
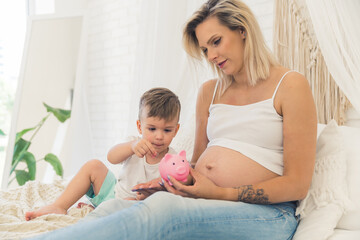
x,y
202,113
295,103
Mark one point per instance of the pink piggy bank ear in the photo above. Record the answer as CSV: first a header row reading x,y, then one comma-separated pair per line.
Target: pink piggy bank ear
x,y
167,157
182,154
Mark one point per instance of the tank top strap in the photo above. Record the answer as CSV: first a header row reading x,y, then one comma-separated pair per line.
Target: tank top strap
x,y
213,97
280,83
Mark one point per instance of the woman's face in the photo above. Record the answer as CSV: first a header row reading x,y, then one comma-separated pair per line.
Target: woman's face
x,y
222,46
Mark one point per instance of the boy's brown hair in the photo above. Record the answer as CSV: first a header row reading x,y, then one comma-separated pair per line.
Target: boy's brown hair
x,y
161,103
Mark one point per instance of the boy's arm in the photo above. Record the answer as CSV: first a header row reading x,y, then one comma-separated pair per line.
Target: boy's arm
x,y
139,147
120,152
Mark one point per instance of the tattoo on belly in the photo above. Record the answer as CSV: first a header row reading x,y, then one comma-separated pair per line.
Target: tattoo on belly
x,y
248,194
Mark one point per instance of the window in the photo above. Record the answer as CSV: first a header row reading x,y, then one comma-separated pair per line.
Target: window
x,y
12,35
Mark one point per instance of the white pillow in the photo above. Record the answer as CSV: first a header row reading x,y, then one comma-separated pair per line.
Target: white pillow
x,y
351,219
327,198
319,224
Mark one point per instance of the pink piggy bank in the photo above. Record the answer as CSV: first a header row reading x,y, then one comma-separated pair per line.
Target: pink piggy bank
x,y
174,165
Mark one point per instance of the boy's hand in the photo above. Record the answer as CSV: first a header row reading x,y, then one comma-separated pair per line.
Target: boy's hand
x,y
143,147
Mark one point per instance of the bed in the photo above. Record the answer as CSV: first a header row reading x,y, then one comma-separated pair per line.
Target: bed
x,y
15,202
330,211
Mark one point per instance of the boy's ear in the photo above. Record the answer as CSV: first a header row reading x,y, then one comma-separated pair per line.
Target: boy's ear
x,y
177,128
138,124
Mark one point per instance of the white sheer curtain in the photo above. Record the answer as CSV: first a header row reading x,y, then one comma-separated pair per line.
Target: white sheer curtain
x,y
336,25
77,146
162,62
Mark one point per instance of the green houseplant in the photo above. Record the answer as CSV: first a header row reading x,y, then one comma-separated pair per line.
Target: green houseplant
x,y
21,153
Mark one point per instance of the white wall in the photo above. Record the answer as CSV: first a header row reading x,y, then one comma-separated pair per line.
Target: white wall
x,y
66,7
112,40
56,7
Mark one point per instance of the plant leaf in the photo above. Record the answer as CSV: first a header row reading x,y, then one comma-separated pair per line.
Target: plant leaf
x,y
21,133
55,162
31,164
19,148
61,114
22,176
2,133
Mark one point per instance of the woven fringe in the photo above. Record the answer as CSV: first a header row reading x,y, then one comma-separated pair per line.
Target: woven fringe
x,y
296,47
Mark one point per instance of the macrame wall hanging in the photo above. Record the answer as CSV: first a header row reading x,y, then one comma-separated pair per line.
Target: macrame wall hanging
x,y
296,47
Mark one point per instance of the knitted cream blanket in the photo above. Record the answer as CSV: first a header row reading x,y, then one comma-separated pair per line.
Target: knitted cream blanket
x,y
15,202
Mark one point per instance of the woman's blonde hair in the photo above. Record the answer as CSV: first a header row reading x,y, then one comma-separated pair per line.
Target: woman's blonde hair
x,y
235,15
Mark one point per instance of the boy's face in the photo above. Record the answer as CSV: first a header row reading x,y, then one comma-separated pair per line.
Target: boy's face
x,y
158,132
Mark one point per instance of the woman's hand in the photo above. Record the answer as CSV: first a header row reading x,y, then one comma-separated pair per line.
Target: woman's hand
x,y
144,190
203,187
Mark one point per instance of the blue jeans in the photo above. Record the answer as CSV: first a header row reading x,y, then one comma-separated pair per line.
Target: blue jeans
x,y
167,216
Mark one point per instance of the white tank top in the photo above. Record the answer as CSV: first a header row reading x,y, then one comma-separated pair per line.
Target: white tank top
x,y
255,130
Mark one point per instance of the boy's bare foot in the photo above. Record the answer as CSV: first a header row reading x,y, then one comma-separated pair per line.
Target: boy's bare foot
x,y
44,210
130,199
82,204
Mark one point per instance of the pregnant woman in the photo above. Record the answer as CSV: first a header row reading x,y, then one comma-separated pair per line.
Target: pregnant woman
x,y
254,149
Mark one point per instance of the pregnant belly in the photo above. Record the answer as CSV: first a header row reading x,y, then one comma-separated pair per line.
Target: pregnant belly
x,y
229,168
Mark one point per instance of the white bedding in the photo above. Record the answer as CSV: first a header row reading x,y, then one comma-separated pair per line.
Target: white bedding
x,y
340,234
15,202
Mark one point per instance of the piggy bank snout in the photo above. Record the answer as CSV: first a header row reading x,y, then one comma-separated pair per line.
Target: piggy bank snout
x,y
181,170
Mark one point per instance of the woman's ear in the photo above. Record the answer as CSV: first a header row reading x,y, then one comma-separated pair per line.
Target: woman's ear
x,y
138,124
243,33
